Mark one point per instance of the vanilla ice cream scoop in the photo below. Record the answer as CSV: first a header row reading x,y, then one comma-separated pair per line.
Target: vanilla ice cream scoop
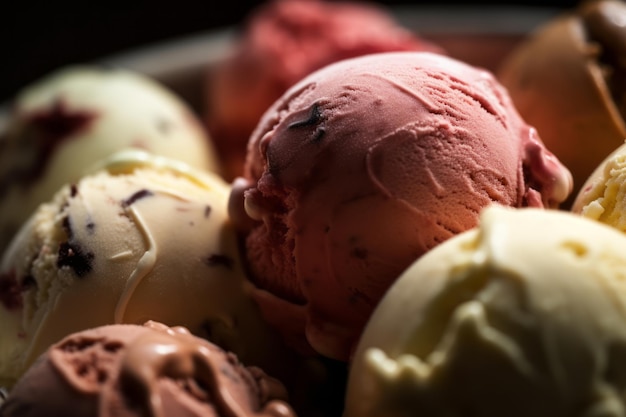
x,y
141,238
603,196
60,125
524,315
364,166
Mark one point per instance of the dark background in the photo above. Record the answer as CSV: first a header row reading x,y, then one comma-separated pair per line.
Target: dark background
x,y
40,37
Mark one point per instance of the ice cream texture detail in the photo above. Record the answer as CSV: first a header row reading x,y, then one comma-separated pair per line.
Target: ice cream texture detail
x,y
522,316
150,370
141,238
603,196
281,42
364,166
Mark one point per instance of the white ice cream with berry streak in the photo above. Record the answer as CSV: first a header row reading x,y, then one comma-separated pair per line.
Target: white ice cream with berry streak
x,y
63,123
142,238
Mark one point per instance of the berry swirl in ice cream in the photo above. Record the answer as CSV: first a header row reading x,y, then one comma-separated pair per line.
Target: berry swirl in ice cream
x,y
60,125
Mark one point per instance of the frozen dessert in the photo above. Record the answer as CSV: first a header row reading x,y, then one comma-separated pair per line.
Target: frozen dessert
x,y
603,195
568,81
524,315
281,42
364,166
63,123
141,238
150,370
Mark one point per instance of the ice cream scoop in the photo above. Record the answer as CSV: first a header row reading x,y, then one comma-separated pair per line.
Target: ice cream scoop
x,y
281,42
60,125
364,166
567,80
141,238
150,370
603,195
524,315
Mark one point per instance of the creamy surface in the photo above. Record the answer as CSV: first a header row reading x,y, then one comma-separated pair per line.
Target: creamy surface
x,y
523,316
603,196
151,371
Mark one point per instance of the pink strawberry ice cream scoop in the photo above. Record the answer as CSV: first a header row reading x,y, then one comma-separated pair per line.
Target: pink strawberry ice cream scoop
x,y
152,370
283,41
364,166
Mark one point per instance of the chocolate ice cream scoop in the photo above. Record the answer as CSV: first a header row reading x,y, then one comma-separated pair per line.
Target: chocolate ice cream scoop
x,y
151,370
568,80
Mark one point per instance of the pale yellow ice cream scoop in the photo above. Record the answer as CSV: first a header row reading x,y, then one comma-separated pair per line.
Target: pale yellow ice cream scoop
x,y
142,238
603,195
525,315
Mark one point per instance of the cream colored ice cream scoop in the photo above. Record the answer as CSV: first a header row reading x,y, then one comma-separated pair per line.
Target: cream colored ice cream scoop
x,y
141,238
63,123
524,315
603,195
